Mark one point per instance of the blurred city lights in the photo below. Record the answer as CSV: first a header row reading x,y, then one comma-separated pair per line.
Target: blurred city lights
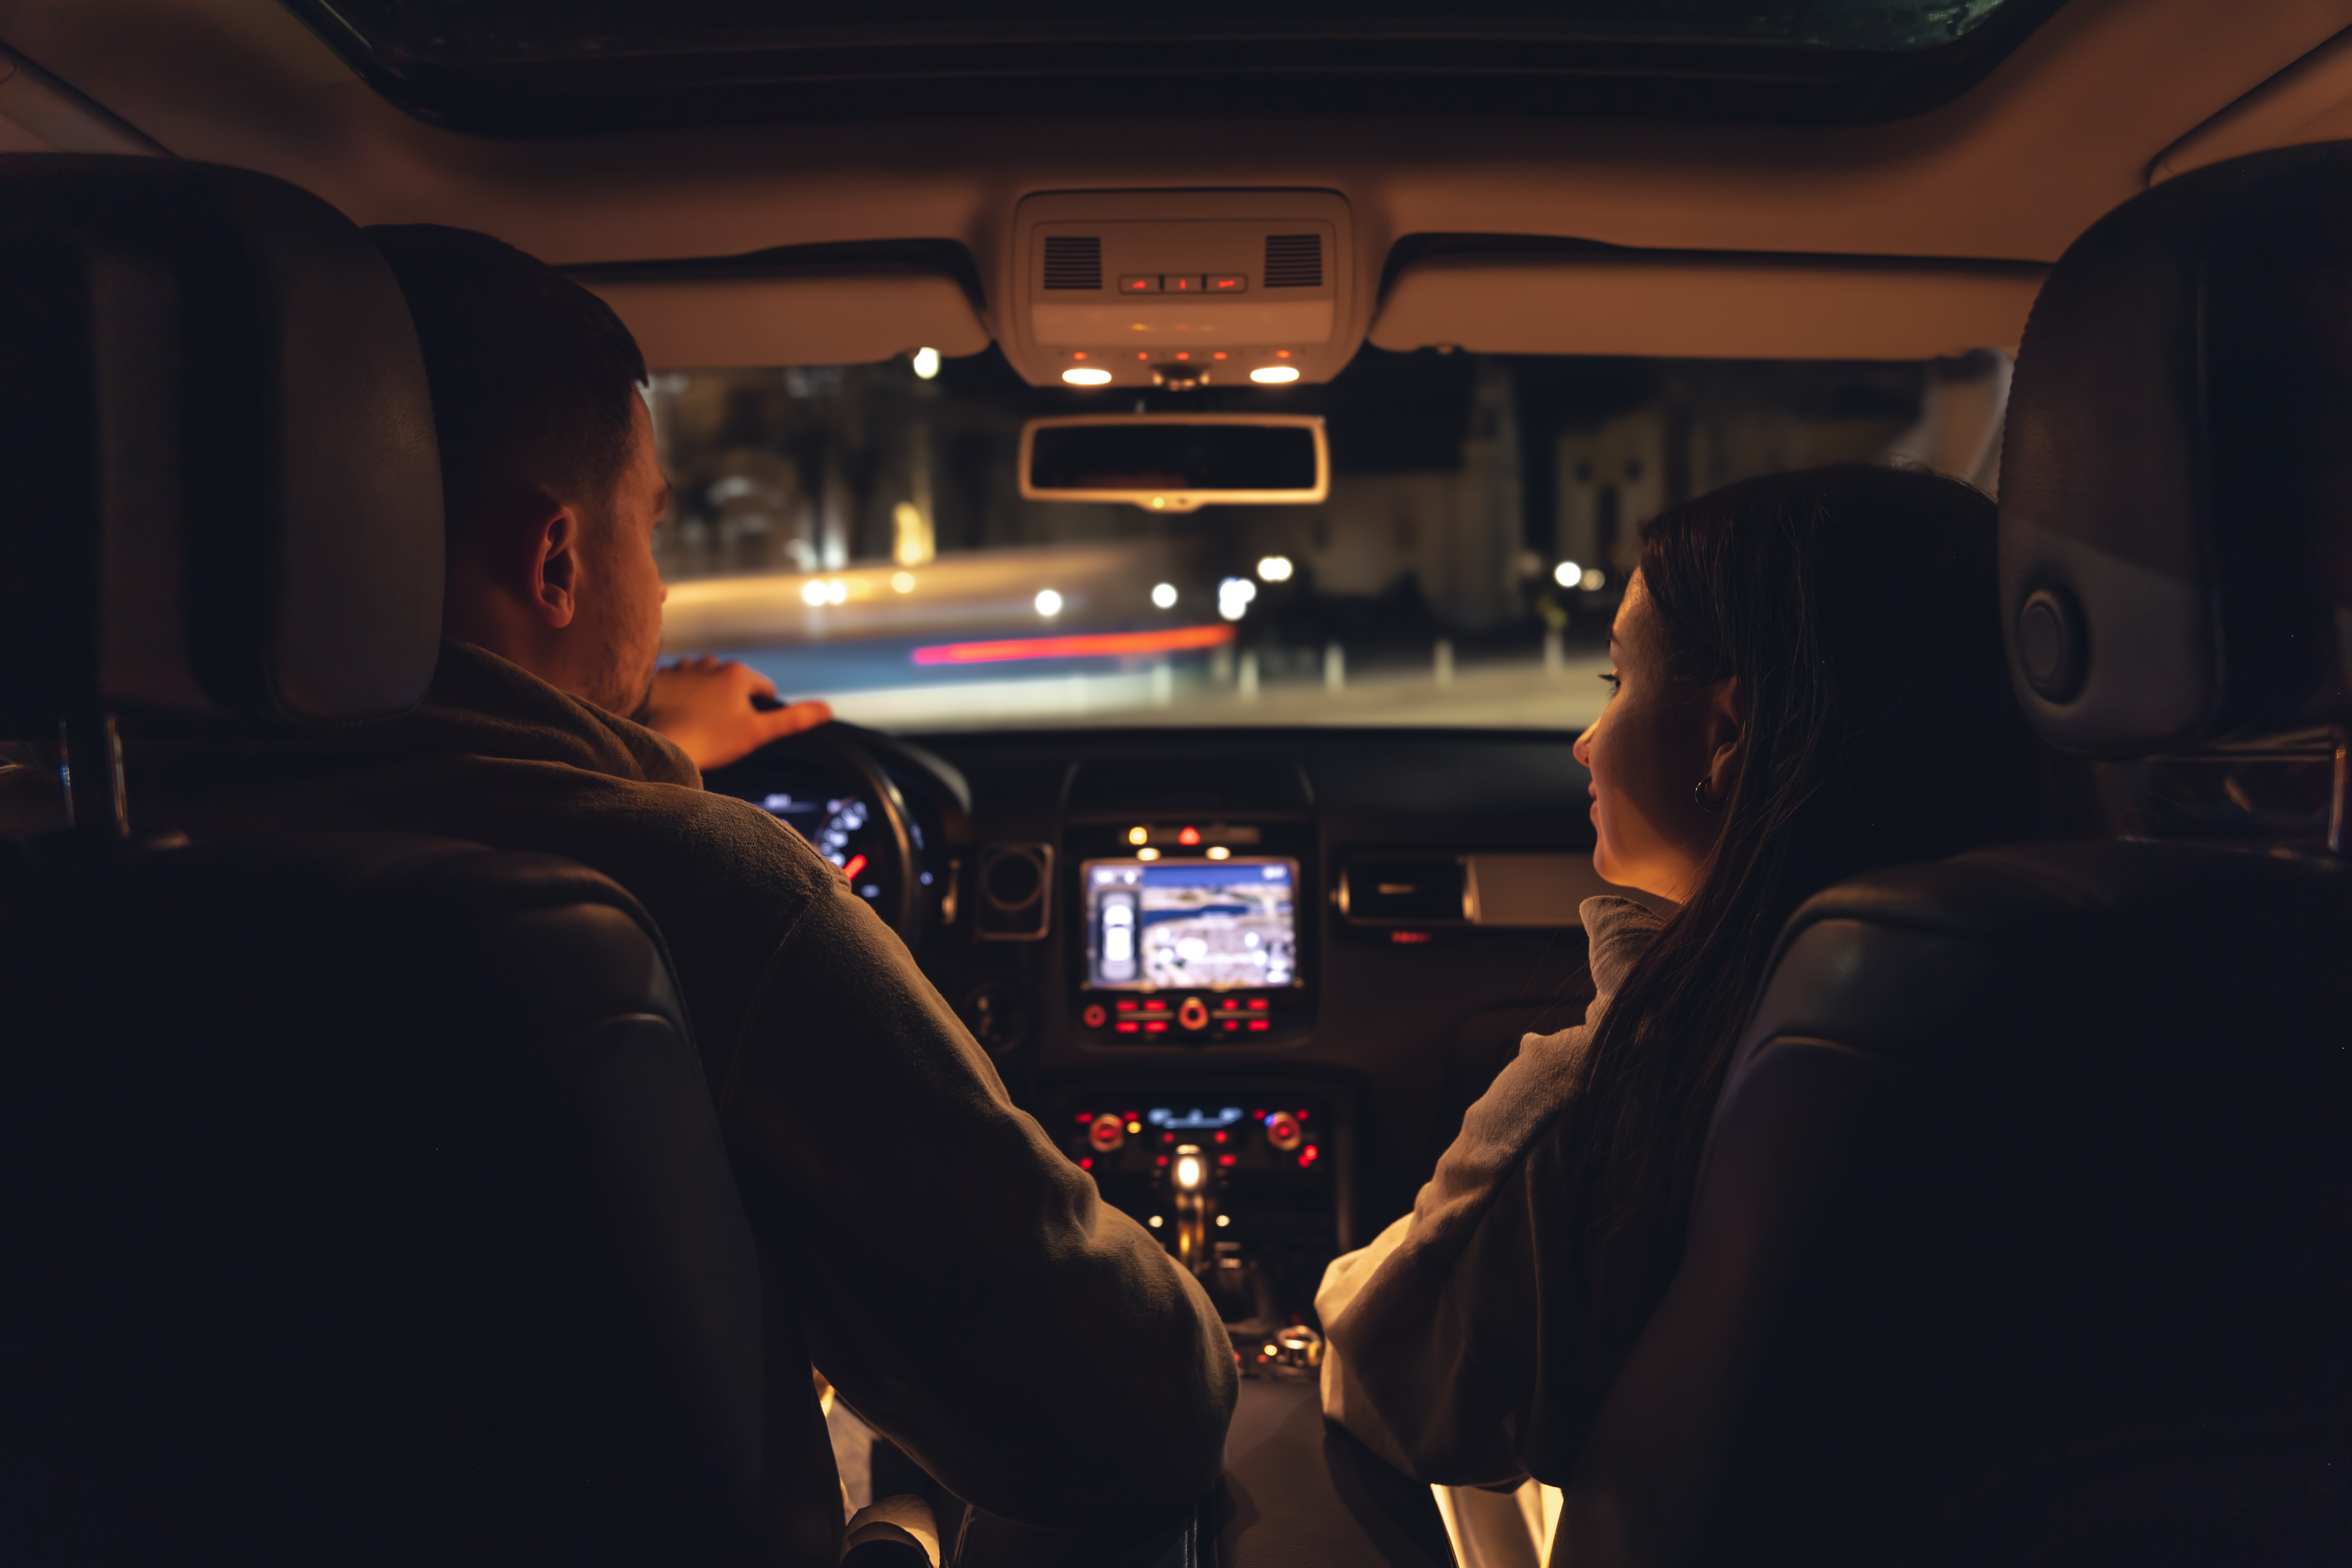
x,y
1234,596
1274,568
1273,373
927,363
823,591
1049,603
1568,573
1593,579
1163,594
903,581
1085,375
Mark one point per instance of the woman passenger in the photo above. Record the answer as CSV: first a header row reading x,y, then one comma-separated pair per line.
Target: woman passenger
x,y
1808,682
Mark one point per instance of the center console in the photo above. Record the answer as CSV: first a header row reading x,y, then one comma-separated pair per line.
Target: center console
x,y
1245,1183
1192,933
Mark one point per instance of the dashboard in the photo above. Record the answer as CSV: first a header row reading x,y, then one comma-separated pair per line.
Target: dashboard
x,y
1285,964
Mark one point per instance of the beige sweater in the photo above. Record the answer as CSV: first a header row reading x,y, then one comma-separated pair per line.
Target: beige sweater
x,y
958,1280
1448,1354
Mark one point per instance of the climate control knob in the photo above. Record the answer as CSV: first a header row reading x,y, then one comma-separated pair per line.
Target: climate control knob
x,y
1281,1131
1194,1015
1108,1132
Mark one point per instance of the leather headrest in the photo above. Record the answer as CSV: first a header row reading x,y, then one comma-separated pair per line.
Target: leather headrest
x,y
219,493
2176,484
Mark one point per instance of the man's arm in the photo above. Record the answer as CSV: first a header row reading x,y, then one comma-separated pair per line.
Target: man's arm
x,y
708,706
961,1283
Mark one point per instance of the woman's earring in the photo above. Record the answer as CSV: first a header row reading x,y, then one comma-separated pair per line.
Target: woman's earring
x,y
1705,801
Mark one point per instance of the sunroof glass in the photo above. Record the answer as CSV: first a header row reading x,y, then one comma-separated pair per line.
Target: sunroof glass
x,y
545,30
559,66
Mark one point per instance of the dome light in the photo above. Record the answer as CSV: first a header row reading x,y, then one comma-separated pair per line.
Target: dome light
x,y
1275,569
1049,603
1274,375
1085,375
1163,594
926,364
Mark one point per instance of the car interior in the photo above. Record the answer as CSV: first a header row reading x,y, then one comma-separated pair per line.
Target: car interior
x,y
1198,457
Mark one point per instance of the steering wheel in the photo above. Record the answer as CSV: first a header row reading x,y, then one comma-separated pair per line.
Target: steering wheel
x,y
829,785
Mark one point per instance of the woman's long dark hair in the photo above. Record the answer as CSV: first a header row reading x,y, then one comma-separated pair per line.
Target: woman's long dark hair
x,y
1857,610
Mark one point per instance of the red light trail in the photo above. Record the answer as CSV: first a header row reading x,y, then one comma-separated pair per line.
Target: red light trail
x,y
1095,645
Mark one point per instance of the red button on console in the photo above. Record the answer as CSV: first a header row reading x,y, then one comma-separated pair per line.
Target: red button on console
x,y
1094,1017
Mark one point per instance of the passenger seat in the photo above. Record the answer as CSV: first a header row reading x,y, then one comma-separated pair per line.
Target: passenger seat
x,y
2025,1232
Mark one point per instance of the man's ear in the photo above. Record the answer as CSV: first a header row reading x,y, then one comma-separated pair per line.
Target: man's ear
x,y
1725,732
554,584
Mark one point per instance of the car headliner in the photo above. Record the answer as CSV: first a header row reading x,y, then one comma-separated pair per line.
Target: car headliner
x,y
2103,98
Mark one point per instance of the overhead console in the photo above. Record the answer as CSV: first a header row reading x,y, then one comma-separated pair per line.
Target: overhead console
x,y
1182,289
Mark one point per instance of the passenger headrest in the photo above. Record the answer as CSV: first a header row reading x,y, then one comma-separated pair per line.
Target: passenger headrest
x,y
219,493
2175,482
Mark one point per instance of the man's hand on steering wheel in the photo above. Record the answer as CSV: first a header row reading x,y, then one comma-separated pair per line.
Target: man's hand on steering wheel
x,y
706,706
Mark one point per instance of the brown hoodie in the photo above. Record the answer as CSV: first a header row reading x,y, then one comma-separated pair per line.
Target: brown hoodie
x,y
957,1279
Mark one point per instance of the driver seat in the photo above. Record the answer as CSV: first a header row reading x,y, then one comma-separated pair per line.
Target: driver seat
x,y
362,1199
2024,1229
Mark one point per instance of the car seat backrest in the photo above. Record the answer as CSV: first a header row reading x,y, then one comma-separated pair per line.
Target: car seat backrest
x,y
2024,1226
224,496
362,1197
2176,562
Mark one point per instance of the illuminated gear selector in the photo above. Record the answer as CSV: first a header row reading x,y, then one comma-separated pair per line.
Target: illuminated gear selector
x,y
1194,1015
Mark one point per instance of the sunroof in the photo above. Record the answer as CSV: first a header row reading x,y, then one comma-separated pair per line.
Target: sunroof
x,y
560,66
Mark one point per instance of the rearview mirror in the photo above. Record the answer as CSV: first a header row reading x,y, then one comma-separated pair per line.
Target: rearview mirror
x,y
1177,462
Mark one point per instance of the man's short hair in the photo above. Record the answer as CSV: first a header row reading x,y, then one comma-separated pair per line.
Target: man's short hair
x,y
533,376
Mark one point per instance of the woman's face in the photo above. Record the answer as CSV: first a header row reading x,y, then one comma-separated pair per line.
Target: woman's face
x,y
1647,751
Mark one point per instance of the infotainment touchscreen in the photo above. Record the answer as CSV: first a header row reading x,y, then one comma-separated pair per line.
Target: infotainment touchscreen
x,y
1211,924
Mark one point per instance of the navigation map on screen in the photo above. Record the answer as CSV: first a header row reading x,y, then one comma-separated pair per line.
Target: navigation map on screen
x,y
1211,924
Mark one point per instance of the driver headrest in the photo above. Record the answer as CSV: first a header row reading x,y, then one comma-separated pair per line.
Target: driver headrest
x,y
2175,482
219,493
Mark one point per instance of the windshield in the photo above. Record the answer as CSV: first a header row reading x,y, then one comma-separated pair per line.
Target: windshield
x,y
858,533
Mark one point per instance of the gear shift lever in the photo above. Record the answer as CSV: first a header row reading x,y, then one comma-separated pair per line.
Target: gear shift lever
x,y
1196,1207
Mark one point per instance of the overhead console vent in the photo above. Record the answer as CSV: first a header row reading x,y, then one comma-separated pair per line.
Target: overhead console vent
x,y
1182,289
1294,261
1072,261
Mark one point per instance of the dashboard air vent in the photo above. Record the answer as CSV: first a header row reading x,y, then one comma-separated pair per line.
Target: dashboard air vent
x,y
1292,262
1404,890
1072,261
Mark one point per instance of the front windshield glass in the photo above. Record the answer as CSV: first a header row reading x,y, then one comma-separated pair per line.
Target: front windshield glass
x,y
858,532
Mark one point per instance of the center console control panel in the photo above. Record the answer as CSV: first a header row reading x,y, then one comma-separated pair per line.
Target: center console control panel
x,y
1242,1181
1192,933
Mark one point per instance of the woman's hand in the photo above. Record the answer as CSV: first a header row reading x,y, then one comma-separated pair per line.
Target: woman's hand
x,y
705,705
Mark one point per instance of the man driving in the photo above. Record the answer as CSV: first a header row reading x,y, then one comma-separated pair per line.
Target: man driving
x,y
955,1278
